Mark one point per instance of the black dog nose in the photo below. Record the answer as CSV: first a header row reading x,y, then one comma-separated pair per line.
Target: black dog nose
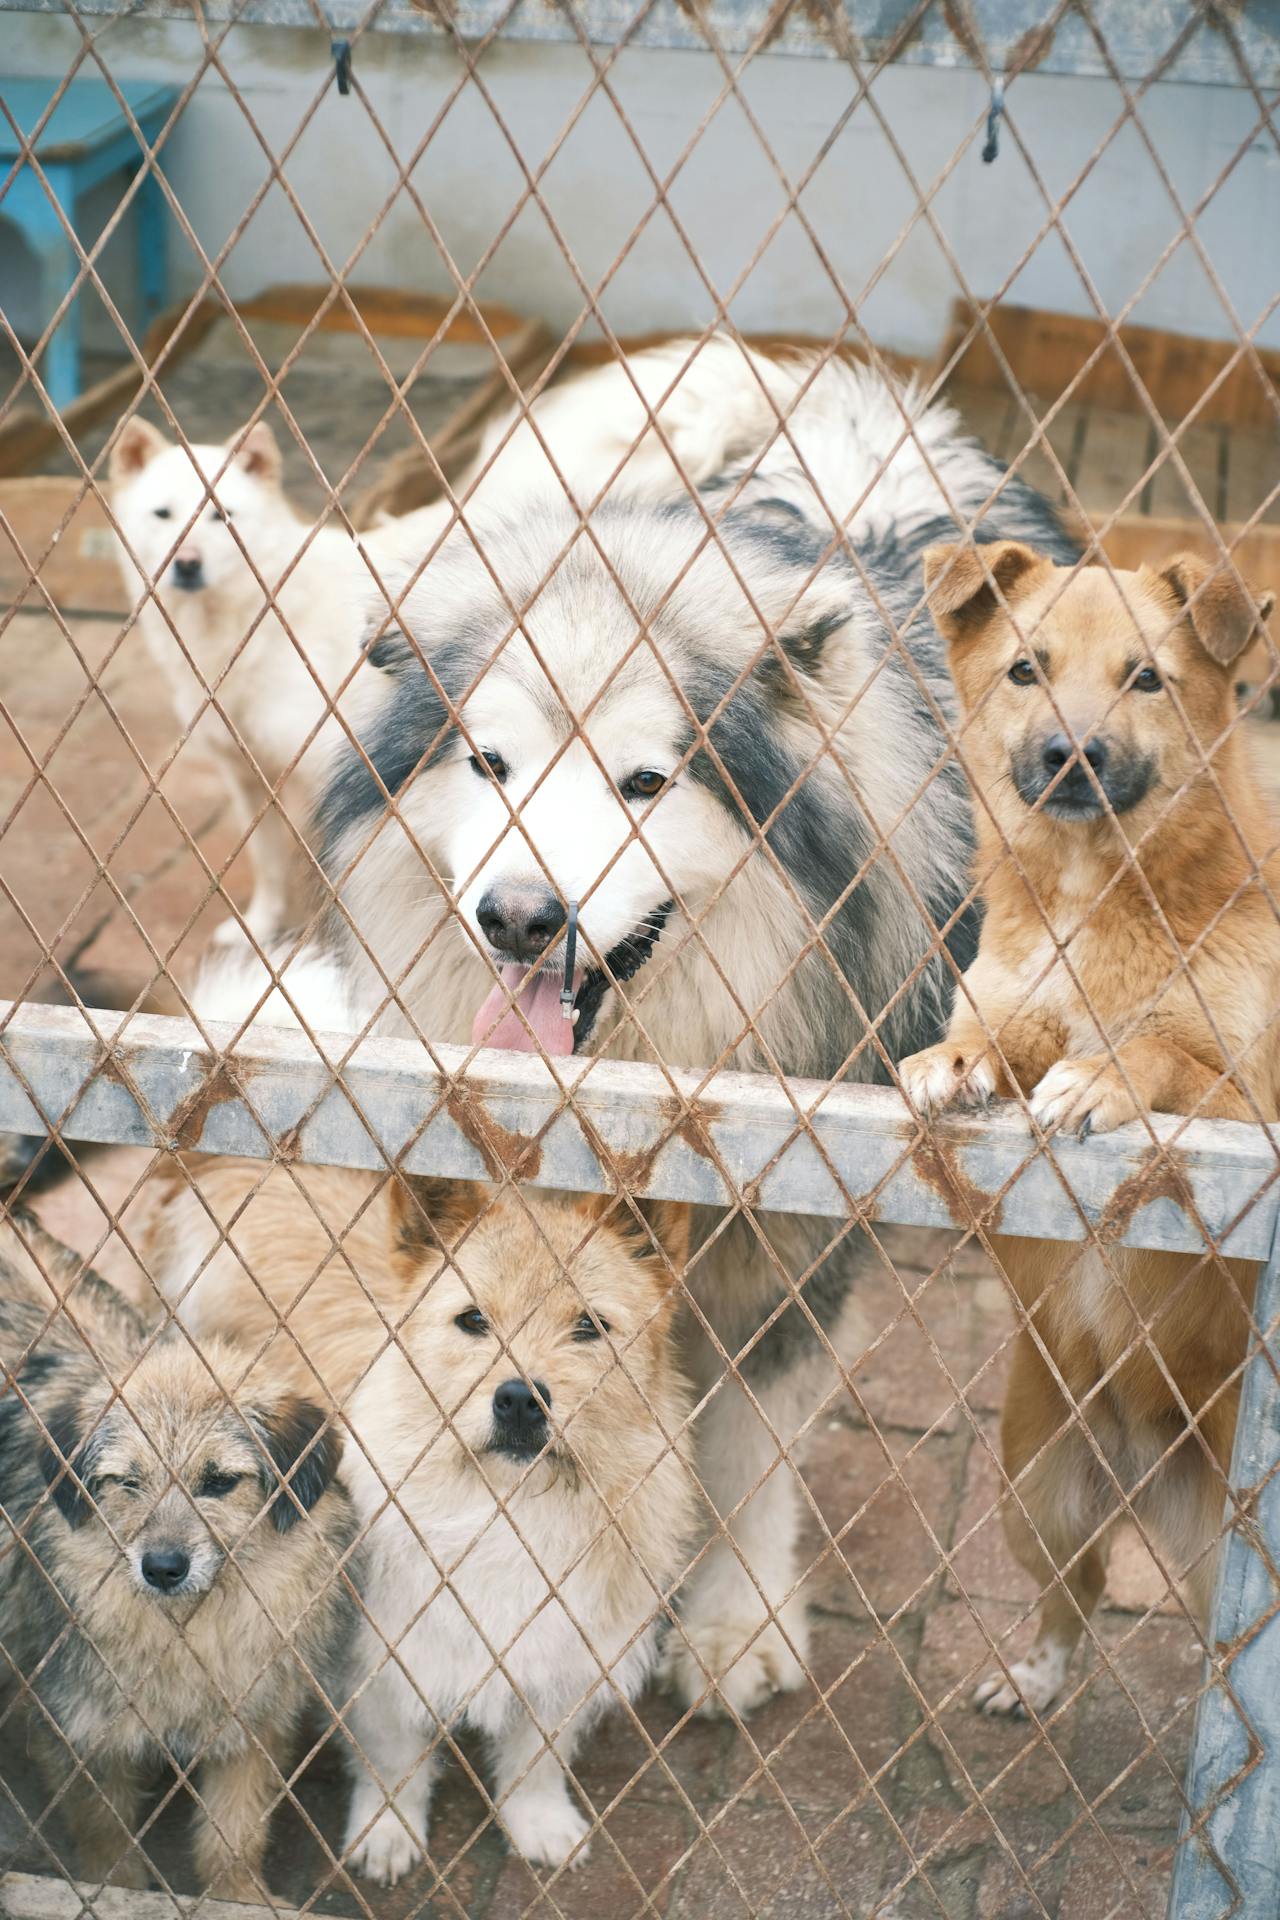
x,y
166,1569
518,1408
521,924
188,573
1058,750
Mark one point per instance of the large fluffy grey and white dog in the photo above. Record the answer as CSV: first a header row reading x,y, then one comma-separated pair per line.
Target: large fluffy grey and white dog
x,y
726,750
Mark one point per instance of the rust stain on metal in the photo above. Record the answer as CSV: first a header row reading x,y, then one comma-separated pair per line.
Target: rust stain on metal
x,y
692,1124
958,19
1029,49
1162,1176
964,1199
502,1150
215,1089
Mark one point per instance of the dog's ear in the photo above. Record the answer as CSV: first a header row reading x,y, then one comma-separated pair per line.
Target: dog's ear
x,y
661,1228
804,629
957,583
259,455
137,444
301,1449
63,1458
428,1215
1220,610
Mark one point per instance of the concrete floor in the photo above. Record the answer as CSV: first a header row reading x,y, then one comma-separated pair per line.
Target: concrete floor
x,y
875,1790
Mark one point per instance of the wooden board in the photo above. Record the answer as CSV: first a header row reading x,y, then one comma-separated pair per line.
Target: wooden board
x,y
384,310
28,436
1047,351
64,534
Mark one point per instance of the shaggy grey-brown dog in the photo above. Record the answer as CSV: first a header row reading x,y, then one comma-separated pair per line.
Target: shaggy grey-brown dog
x,y
170,1566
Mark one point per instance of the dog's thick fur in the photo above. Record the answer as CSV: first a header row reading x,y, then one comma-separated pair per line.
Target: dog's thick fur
x,y
555,1564
242,603
1138,837
802,784
112,1450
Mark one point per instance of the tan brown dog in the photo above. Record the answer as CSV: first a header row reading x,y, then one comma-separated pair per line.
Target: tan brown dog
x,y
171,1568
529,1418
1137,840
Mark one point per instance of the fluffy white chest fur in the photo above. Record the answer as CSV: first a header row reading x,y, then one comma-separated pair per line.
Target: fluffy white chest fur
x,y
524,1625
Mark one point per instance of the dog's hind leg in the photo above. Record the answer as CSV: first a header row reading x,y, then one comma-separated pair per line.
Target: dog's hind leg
x,y
742,1633
1060,1504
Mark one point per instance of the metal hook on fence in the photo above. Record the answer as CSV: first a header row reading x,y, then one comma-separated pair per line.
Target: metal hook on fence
x,y
341,51
992,147
570,957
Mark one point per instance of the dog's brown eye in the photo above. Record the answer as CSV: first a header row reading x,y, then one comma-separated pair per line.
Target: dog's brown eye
x,y
492,763
644,784
1022,673
215,1485
472,1321
587,1327
220,514
1147,681
162,513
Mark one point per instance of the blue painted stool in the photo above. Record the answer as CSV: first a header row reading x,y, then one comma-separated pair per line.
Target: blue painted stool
x,y
86,138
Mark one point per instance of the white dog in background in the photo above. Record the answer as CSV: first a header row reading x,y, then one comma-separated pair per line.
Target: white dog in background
x,y
255,618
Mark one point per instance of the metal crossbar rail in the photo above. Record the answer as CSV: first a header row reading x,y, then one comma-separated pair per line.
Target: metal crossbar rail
x,y
276,1096
1004,37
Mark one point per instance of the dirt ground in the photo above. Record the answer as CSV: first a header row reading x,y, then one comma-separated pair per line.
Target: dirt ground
x,y
874,1790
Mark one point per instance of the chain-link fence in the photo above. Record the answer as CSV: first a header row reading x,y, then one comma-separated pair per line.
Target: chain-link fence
x,y
588,1405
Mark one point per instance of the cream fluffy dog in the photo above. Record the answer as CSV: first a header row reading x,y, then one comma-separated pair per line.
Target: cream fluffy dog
x,y
516,1457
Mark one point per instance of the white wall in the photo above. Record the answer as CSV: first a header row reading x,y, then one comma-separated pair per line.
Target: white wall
x,y
726,194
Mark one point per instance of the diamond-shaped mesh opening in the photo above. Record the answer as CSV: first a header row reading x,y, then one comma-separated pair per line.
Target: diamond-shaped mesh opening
x,y
640,946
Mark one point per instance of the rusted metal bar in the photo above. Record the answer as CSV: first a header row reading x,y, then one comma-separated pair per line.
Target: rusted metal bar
x,y
1001,36
1228,1861
276,1095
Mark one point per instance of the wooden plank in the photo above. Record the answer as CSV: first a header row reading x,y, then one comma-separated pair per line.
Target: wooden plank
x,y
159,1082
384,310
28,436
986,413
1168,496
1253,475
1112,460
1046,351
1026,451
409,480
64,534
38,1896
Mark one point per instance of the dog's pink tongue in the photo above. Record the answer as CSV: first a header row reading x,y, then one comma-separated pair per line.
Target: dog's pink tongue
x,y
498,1025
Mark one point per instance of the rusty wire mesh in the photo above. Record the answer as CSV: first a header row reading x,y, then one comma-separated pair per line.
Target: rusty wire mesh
x,y
868,1788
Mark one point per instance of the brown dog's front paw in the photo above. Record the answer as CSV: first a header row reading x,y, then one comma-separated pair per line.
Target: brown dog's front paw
x,y
947,1076
1084,1096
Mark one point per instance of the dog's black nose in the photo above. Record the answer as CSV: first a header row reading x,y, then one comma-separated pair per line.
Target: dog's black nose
x,y
519,1412
166,1569
521,924
1058,750
189,573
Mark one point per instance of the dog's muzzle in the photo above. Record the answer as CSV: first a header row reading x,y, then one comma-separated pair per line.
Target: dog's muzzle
x,y
1063,778
558,1019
